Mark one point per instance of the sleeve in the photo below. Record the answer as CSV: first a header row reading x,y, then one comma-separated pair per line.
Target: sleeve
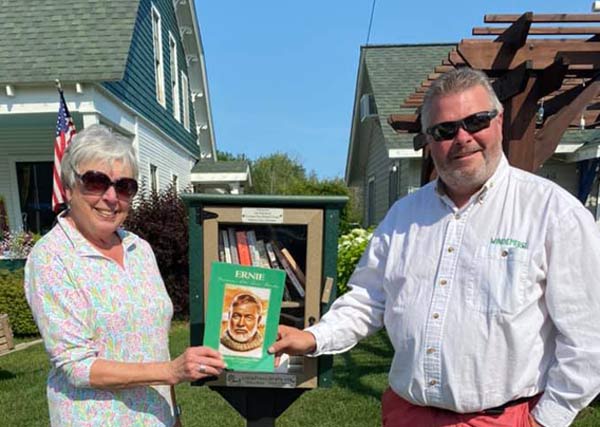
x,y
62,314
358,313
573,301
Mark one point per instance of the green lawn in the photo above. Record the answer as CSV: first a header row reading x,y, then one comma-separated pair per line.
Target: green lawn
x,y
359,376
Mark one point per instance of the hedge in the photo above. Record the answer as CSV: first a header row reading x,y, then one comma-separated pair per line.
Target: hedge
x,y
13,303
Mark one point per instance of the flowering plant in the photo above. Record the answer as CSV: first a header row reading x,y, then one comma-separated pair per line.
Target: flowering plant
x,y
17,244
350,248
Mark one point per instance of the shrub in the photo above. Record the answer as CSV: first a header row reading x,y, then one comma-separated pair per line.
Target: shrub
x,y
13,303
160,218
17,244
350,248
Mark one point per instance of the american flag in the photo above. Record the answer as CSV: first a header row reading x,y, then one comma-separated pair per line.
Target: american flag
x,y
65,130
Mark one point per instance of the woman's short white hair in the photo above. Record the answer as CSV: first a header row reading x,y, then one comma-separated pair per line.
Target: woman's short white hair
x,y
455,81
96,144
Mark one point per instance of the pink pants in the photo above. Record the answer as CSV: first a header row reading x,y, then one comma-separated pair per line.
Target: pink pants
x,y
397,412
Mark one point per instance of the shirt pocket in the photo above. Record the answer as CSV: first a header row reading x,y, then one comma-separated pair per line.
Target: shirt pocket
x,y
497,280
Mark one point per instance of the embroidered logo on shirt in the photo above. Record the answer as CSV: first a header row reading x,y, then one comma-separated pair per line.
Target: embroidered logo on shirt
x,y
509,242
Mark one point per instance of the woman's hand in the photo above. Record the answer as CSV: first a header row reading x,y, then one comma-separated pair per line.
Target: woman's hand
x,y
196,363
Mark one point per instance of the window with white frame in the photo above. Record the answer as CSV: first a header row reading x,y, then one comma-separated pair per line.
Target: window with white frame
x,y
185,97
153,178
174,77
159,74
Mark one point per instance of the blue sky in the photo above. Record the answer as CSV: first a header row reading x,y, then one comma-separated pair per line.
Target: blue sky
x,y
282,74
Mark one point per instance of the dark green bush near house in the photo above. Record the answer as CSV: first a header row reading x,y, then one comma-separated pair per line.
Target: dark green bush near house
x,y
13,303
161,219
350,248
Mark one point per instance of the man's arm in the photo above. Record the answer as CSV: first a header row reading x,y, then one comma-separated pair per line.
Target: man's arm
x,y
572,298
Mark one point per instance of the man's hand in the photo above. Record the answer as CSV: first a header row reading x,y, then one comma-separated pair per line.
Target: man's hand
x,y
293,341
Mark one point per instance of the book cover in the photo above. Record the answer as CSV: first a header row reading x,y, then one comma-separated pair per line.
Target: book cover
x,y
262,254
242,314
272,258
221,249
294,266
242,248
251,239
226,246
286,266
233,246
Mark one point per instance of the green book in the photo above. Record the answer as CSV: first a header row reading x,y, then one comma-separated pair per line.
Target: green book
x,y
242,314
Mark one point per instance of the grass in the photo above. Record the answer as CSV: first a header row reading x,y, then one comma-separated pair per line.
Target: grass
x,y
360,378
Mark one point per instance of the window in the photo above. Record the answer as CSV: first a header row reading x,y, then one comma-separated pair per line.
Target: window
x,y
153,178
393,185
159,75
34,180
174,77
371,201
185,94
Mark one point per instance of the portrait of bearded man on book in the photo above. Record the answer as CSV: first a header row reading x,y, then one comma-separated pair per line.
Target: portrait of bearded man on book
x,y
242,334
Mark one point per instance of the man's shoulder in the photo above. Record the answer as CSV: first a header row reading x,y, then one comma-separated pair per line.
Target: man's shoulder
x,y
543,192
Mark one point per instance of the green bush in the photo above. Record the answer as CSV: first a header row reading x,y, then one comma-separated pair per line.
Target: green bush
x,y
13,303
350,248
161,219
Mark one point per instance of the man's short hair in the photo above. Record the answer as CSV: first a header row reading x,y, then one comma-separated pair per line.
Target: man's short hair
x,y
456,81
244,298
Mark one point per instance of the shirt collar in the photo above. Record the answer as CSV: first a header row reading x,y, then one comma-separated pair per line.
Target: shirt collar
x,y
480,196
81,244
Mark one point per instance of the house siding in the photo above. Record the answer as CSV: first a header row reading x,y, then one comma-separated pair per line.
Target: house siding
x,y
137,88
152,149
378,165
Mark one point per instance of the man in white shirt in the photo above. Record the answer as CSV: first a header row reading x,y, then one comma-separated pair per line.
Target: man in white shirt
x,y
485,279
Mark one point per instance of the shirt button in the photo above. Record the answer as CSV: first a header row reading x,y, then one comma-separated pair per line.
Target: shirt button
x,y
450,249
443,282
457,216
504,253
432,382
430,350
436,315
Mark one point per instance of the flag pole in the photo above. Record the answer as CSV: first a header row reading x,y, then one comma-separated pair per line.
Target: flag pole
x,y
65,130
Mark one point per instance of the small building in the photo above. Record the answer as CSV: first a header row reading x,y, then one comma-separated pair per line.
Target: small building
x,y
382,164
134,66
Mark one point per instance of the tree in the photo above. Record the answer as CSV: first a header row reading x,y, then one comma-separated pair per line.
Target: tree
x,y
226,156
276,174
280,174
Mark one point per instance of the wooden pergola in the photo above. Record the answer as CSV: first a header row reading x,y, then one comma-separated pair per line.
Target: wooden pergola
x,y
555,67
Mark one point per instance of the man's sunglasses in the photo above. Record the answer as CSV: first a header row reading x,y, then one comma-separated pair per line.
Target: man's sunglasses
x,y
96,182
472,124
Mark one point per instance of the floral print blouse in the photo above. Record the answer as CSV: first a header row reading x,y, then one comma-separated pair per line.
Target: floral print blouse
x,y
87,307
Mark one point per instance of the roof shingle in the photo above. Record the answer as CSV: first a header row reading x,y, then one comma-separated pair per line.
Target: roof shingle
x,y
70,40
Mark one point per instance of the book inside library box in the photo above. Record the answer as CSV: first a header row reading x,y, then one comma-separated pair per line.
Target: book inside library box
x,y
291,242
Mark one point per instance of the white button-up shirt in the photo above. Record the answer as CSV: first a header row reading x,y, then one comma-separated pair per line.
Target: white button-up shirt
x,y
484,304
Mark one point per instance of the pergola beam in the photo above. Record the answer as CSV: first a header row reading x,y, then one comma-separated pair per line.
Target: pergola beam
x,y
487,54
539,31
543,18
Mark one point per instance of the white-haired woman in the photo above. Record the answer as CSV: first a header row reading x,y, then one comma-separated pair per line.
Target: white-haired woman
x,y
100,303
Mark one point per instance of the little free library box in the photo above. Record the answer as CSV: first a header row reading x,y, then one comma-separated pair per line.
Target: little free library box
x,y
290,242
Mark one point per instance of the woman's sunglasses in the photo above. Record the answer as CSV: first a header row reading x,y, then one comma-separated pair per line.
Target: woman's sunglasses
x,y
96,182
472,124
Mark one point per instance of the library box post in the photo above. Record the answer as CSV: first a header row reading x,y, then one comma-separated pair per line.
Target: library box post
x,y
300,230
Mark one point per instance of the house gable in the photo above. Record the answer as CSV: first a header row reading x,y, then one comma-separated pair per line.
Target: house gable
x,y
136,91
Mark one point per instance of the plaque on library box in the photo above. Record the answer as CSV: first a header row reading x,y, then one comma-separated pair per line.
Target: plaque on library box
x,y
242,314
